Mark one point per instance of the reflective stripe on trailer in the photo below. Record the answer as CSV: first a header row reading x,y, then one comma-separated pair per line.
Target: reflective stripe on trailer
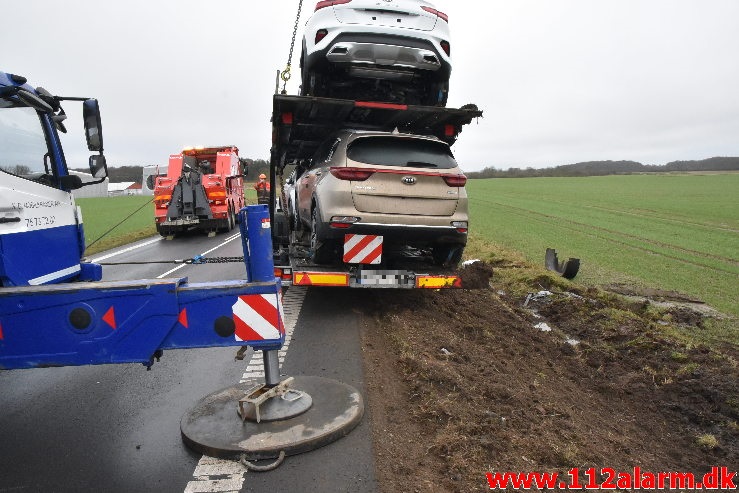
x,y
320,279
258,317
437,282
362,249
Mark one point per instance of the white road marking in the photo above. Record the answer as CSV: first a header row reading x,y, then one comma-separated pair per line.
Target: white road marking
x,y
228,475
225,242
125,250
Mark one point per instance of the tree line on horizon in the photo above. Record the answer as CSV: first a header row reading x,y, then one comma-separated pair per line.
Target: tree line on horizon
x,y
603,168
120,174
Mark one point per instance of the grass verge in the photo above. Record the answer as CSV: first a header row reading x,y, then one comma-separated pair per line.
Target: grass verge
x,y
517,276
134,213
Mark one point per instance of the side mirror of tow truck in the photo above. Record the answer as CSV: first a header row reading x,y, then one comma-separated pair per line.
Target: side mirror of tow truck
x,y
98,166
94,136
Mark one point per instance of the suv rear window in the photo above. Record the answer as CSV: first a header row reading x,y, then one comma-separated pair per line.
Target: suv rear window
x,y
399,151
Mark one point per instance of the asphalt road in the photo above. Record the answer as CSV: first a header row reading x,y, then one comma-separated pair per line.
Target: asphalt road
x,y
115,428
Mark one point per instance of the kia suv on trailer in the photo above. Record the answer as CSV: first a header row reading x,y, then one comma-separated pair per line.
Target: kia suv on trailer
x,y
406,188
394,51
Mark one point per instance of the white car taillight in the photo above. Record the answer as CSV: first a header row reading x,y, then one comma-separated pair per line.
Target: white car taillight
x,y
438,13
329,3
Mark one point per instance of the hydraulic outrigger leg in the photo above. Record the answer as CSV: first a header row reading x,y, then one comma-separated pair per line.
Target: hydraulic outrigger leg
x,y
273,419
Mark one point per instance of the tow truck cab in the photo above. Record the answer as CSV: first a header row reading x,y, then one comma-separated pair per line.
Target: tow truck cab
x,y
38,216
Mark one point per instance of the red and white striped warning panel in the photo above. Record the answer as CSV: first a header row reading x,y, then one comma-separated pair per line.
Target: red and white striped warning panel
x,y
258,317
362,249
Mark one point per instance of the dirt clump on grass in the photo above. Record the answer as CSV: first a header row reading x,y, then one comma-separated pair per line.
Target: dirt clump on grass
x,y
462,382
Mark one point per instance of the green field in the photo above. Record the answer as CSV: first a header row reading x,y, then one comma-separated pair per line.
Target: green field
x,y
102,214
672,232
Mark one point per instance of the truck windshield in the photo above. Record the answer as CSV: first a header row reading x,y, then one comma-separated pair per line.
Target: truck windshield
x,y
22,141
401,151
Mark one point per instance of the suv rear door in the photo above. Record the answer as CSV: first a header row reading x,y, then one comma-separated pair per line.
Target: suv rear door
x,y
406,14
409,176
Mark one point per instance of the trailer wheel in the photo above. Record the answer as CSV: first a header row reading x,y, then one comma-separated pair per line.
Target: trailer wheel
x,y
321,251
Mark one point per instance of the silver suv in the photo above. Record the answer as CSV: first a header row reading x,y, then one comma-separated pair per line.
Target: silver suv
x,y
406,188
395,51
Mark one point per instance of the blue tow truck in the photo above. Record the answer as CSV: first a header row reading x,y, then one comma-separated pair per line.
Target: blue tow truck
x,y
54,308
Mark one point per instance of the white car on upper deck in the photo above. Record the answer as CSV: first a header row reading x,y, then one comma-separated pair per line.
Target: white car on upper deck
x,y
396,51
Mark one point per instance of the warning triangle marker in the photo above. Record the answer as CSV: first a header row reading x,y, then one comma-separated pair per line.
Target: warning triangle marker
x,y
109,318
183,318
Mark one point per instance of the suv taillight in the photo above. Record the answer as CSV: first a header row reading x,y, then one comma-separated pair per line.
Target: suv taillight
x,y
455,180
437,13
446,47
320,34
352,174
329,3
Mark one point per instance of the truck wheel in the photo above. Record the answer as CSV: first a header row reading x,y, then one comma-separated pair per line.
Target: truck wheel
x,y
321,251
231,220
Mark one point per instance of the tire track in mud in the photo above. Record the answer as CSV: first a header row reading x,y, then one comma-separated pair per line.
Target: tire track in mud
x,y
583,228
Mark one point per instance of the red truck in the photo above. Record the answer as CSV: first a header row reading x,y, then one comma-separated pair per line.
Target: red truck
x,y
203,190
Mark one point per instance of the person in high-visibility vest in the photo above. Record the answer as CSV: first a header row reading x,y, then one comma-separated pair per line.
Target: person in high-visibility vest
x,y
262,188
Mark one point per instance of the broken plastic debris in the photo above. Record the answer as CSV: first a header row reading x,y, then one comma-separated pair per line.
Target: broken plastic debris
x,y
446,351
572,342
467,263
543,327
537,296
567,269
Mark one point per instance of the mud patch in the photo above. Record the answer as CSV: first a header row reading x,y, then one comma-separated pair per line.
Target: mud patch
x,y
461,383
476,275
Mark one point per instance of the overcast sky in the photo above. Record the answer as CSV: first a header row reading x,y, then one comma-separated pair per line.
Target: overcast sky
x,y
559,81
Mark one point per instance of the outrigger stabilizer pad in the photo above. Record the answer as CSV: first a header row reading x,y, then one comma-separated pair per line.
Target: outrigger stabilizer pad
x,y
568,269
224,423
